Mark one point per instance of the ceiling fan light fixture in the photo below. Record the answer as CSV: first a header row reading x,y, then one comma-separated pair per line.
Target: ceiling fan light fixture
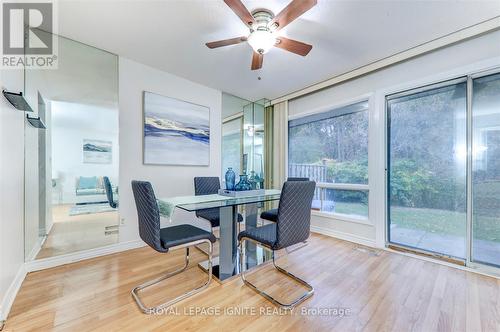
x,y
264,29
261,41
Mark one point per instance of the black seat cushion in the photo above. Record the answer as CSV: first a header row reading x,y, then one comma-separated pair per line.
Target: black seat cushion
x,y
213,216
271,215
264,234
181,234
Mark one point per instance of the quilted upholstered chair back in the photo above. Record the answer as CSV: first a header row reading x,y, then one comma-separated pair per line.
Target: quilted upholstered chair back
x,y
206,185
294,213
297,179
148,214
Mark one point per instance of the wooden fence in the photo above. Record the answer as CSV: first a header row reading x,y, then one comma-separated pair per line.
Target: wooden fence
x,y
315,173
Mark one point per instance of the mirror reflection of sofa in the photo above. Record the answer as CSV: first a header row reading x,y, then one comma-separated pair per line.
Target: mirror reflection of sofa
x,y
90,189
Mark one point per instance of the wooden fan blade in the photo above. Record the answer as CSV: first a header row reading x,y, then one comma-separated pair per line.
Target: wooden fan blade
x,y
239,9
293,46
292,11
257,60
226,42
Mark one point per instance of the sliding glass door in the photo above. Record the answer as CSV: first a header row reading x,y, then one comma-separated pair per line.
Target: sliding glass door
x,y
444,169
486,170
427,157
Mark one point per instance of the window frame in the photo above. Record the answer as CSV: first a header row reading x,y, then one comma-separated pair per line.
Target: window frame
x,y
337,110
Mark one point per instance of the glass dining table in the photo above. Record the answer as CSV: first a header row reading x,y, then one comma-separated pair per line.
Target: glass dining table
x,y
226,264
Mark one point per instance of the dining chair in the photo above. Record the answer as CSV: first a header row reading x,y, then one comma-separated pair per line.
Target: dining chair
x,y
272,214
165,239
209,185
109,192
292,227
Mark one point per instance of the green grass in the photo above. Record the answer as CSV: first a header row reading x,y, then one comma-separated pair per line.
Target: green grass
x,y
357,209
432,220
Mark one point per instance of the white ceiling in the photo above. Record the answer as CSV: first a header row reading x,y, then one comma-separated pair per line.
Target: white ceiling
x,y
85,75
171,35
84,117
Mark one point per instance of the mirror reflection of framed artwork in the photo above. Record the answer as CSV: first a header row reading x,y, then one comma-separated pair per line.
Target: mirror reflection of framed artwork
x,y
97,152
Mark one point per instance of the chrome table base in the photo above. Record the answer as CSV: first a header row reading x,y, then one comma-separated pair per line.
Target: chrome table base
x,y
259,257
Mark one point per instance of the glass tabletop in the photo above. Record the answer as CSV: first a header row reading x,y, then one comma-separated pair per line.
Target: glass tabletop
x,y
222,201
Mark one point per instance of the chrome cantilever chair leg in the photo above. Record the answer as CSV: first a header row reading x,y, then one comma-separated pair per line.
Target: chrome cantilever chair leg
x,y
290,305
216,238
151,310
304,244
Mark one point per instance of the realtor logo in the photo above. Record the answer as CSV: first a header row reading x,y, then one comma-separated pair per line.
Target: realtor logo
x,y
28,35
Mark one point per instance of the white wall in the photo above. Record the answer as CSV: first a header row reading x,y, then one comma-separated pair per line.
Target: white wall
x,y
166,180
460,59
11,190
71,124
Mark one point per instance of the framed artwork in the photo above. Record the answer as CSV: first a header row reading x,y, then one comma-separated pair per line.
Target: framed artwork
x,y
97,152
176,132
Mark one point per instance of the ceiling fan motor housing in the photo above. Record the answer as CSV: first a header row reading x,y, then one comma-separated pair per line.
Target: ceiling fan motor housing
x,y
262,19
264,29
261,27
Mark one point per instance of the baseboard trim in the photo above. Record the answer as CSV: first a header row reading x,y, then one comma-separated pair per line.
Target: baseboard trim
x,y
46,263
344,236
494,273
11,293
36,248
474,269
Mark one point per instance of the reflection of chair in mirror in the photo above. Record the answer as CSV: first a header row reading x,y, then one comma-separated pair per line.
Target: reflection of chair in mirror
x,y
57,187
109,193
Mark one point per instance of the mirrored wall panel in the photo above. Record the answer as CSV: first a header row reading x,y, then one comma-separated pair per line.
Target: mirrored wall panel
x,y
232,145
71,167
243,139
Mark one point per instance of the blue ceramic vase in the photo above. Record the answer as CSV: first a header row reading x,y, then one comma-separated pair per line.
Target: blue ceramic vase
x,y
230,179
252,181
243,184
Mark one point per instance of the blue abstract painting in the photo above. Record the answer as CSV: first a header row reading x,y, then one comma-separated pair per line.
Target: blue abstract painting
x,y
175,132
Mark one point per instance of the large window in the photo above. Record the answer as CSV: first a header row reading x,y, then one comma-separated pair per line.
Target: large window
x,y
331,148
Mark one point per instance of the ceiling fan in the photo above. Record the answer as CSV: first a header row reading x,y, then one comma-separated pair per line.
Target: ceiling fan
x,y
264,28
